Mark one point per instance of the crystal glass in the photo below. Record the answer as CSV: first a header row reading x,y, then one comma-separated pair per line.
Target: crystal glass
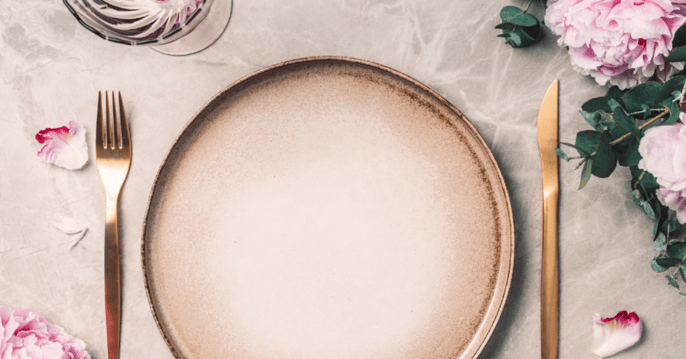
x,y
174,27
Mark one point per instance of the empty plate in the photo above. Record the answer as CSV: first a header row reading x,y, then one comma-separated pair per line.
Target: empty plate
x,y
328,208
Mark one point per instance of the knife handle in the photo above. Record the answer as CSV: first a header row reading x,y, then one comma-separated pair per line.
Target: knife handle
x,y
550,291
112,280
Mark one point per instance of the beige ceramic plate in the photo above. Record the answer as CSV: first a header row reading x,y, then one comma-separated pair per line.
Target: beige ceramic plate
x,y
328,208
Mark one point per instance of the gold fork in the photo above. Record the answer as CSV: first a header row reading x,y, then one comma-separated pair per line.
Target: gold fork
x,y
113,156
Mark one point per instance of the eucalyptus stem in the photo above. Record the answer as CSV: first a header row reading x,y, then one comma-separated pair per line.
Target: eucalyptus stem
x,y
527,6
659,115
664,112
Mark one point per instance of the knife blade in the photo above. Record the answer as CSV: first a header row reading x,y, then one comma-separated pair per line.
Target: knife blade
x,y
550,292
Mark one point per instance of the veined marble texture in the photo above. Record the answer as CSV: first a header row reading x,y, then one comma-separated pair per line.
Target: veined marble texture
x,y
51,69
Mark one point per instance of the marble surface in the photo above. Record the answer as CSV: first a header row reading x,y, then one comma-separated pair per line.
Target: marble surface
x,y
51,70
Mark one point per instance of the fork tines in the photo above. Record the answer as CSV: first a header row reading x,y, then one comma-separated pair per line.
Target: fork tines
x,y
113,127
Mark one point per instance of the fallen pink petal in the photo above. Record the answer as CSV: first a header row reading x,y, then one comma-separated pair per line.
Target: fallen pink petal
x,y
64,146
612,335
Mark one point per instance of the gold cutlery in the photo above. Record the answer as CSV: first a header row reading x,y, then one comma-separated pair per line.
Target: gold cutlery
x,y
550,291
113,156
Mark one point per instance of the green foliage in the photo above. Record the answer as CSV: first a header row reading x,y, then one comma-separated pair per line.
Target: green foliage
x,y
516,16
679,37
645,93
597,104
666,92
618,121
677,55
673,282
605,160
562,155
679,46
616,134
660,243
587,142
673,114
657,267
519,28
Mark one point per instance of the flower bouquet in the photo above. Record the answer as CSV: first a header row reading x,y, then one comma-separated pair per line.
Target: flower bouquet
x,y
637,49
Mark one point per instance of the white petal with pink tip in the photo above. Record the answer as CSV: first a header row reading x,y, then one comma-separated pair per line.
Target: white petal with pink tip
x,y
612,335
64,146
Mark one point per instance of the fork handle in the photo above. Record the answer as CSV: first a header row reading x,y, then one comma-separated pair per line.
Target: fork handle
x,y
112,280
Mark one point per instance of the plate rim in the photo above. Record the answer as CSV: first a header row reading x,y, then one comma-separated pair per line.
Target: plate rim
x,y
501,291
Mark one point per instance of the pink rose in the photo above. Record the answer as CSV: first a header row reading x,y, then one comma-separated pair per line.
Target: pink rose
x,y
663,149
623,42
25,334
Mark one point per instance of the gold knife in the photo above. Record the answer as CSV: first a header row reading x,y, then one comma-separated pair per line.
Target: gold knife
x,y
550,291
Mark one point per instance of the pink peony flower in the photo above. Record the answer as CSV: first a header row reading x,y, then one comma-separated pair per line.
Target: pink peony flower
x,y
623,42
64,146
612,335
663,149
24,334
674,200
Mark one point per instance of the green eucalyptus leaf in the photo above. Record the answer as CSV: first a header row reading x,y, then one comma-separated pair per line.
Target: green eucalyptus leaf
x,y
636,196
615,94
613,103
518,36
677,251
672,282
627,122
682,271
627,152
657,208
586,173
597,104
607,121
676,83
670,226
506,26
649,210
587,142
660,243
673,114
644,93
605,160
677,55
679,38
647,111
656,267
647,180
617,132
561,154
526,37
668,262
594,119
511,38
656,229
517,16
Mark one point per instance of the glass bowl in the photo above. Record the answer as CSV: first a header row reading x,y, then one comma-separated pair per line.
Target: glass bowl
x,y
175,27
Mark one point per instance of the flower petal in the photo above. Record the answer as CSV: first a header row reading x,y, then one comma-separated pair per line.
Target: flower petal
x,y
76,238
70,226
612,335
64,146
